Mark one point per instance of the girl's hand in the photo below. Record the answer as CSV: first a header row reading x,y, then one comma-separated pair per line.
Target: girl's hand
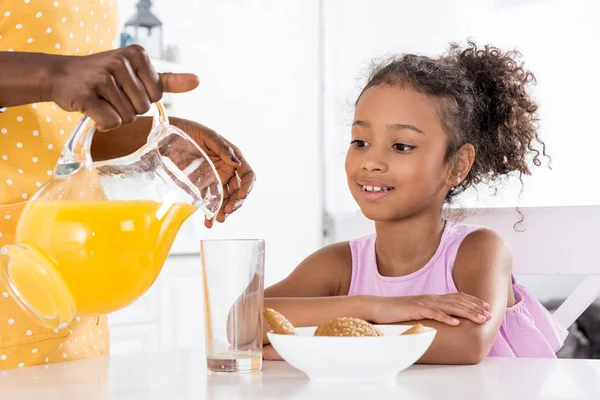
x,y
111,87
440,308
270,354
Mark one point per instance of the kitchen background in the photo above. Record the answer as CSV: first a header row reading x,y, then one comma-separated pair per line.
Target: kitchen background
x,y
278,79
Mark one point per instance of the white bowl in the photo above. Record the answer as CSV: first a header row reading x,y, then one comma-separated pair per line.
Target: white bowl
x,y
352,359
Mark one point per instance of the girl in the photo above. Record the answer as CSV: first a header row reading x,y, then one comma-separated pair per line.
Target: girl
x,y
425,129
42,85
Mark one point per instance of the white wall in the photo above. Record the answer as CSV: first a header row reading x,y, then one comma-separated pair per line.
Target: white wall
x,y
558,40
258,68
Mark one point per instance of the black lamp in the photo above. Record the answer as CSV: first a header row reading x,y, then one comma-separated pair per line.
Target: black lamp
x,y
146,29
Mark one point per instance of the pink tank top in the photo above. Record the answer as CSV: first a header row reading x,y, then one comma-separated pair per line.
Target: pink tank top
x,y
528,329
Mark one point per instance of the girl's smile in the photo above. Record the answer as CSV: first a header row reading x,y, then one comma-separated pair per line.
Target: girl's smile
x,y
373,190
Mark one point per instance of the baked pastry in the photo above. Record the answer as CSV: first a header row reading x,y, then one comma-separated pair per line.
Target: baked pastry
x,y
347,327
413,330
278,323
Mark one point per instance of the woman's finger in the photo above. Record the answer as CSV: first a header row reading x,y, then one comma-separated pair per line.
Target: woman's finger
x,y
245,172
248,177
235,202
154,83
221,214
178,83
118,100
103,114
218,145
127,79
144,70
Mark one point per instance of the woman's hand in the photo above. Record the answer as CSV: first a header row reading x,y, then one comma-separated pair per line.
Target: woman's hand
x,y
440,308
111,87
236,174
234,171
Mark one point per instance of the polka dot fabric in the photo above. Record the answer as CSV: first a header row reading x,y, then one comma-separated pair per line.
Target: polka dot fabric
x,y
31,138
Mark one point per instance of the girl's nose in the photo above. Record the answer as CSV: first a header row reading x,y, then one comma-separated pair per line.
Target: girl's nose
x,y
374,162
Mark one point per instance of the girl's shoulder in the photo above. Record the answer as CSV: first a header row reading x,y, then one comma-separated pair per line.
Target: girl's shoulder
x,y
483,240
472,238
481,249
326,272
458,237
337,258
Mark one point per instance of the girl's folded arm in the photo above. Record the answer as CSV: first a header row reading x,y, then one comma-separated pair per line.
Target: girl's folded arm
x,y
482,269
314,311
308,296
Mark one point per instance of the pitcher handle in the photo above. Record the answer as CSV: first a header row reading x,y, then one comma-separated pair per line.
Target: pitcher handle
x,y
76,153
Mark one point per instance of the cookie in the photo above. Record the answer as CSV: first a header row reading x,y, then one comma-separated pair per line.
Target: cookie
x,y
347,327
413,330
278,323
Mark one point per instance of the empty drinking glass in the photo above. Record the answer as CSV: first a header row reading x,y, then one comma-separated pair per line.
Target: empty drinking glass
x,y
233,279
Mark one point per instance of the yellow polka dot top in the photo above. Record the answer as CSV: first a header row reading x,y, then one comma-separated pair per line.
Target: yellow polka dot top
x,y
31,139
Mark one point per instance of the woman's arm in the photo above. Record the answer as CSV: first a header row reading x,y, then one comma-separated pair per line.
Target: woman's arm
x,y
483,269
111,87
24,78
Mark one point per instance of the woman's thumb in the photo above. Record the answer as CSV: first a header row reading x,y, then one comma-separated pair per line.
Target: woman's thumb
x,y
178,83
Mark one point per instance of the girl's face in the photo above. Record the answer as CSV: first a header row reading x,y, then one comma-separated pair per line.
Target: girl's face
x,y
395,164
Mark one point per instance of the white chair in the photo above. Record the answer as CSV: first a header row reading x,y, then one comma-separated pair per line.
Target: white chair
x,y
550,241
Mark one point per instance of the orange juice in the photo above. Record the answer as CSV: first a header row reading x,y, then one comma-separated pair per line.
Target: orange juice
x,y
104,254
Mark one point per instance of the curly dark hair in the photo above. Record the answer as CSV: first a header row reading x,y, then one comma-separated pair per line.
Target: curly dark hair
x,y
483,101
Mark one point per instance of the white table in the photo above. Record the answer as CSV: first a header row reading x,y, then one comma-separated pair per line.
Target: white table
x,y
182,375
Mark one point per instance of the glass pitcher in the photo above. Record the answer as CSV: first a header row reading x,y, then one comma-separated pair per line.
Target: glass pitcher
x,y
95,237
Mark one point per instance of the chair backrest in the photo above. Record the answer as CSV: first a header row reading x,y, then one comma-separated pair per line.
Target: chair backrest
x,y
549,241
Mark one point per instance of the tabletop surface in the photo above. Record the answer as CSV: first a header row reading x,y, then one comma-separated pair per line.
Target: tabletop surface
x,y
181,374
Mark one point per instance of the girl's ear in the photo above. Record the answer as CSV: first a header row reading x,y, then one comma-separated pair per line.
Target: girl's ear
x,y
460,165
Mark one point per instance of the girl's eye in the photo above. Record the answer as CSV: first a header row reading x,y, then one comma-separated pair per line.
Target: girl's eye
x,y
358,144
402,147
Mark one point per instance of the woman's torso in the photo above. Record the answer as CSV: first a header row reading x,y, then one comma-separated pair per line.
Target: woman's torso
x,y
31,139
